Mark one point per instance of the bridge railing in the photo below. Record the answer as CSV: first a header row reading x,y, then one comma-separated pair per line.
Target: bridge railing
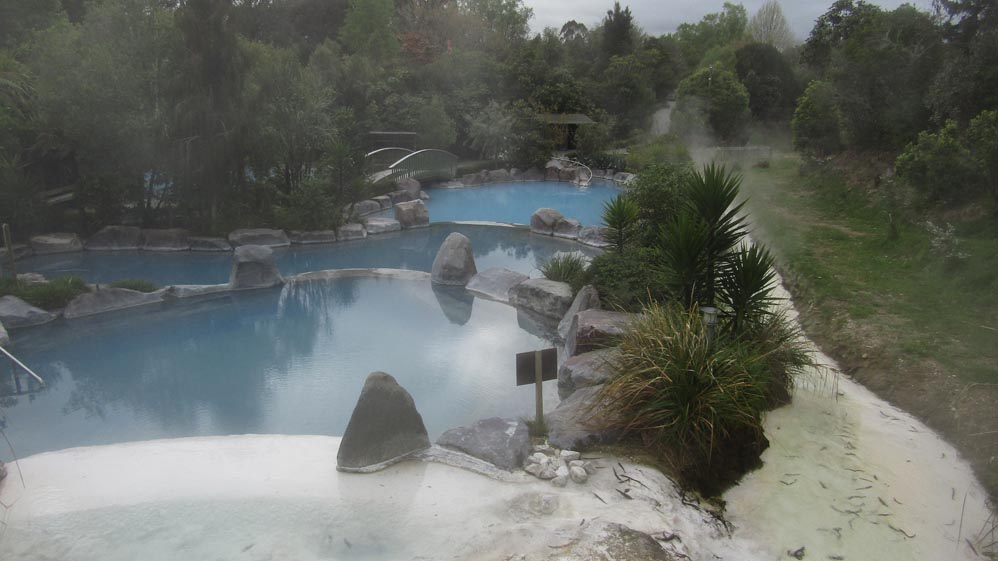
x,y
382,158
423,165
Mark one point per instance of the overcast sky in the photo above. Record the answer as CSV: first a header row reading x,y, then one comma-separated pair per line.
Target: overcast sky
x,y
663,16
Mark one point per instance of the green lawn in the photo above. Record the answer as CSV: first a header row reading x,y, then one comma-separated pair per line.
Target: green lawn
x,y
918,330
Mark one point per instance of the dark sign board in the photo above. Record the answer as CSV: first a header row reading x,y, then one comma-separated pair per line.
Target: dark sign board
x,y
525,364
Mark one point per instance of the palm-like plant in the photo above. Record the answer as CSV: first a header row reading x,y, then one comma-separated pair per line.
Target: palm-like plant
x,y
745,288
620,214
712,196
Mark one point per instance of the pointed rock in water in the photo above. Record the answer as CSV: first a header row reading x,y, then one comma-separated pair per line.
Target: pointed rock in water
x,y
455,261
586,299
544,220
384,428
253,266
502,442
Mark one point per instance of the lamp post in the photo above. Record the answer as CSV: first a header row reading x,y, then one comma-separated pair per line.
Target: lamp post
x,y
710,320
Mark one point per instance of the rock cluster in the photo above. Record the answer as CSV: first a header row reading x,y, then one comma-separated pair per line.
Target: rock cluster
x,y
558,466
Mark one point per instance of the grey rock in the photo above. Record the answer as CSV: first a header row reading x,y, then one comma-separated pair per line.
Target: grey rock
x,y
471,179
410,186
495,283
453,184
560,481
385,427
543,449
623,177
548,473
499,176
31,278
533,469
606,541
569,455
366,207
116,238
595,329
576,424
569,174
381,225
567,228
585,370
196,290
578,475
454,264
15,313
253,266
350,232
109,299
586,299
384,201
537,457
455,302
502,442
548,298
424,196
259,236
552,173
58,242
533,174
412,214
400,197
311,237
544,220
563,470
4,337
593,236
515,174
199,243
166,239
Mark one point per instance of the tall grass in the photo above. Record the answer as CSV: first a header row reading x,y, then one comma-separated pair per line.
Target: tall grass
x,y
51,295
567,267
695,404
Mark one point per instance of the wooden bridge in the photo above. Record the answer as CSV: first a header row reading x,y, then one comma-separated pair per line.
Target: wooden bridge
x,y
392,164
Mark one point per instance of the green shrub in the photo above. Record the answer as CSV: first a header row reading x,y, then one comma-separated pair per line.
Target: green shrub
x,y
567,267
816,122
620,215
712,106
939,166
665,149
658,192
628,280
51,295
311,206
139,285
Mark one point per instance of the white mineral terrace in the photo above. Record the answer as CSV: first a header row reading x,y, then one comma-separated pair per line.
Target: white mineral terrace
x,y
847,476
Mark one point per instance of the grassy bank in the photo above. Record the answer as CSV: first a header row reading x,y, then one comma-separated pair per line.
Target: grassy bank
x,y
919,329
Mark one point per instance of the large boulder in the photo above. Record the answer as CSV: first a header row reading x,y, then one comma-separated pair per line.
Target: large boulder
x,y
578,422
533,174
499,176
384,428
586,299
455,261
59,242
495,283
312,237
4,337
552,173
594,236
412,214
548,298
253,266
167,239
585,370
259,236
381,225
349,232
109,299
116,238
410,186
384,201
502,442
596,329
366,207
544,220
209,244
400,197
568,228
15,313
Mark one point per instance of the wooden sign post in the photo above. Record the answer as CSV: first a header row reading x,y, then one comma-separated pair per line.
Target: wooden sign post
x,y
537,367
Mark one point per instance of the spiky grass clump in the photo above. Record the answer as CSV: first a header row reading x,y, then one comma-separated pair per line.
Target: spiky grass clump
x,y
51,295
696,405
567,267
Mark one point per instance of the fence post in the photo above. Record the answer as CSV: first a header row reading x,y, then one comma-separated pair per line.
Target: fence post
x,y
10,251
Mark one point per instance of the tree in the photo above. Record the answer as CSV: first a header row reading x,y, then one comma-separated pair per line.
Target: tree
x,y
835,27
618,32
712,106
771,84
573,31
770,27
982,140
816,122
435,127
938,165
368,29
714,30
490,132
